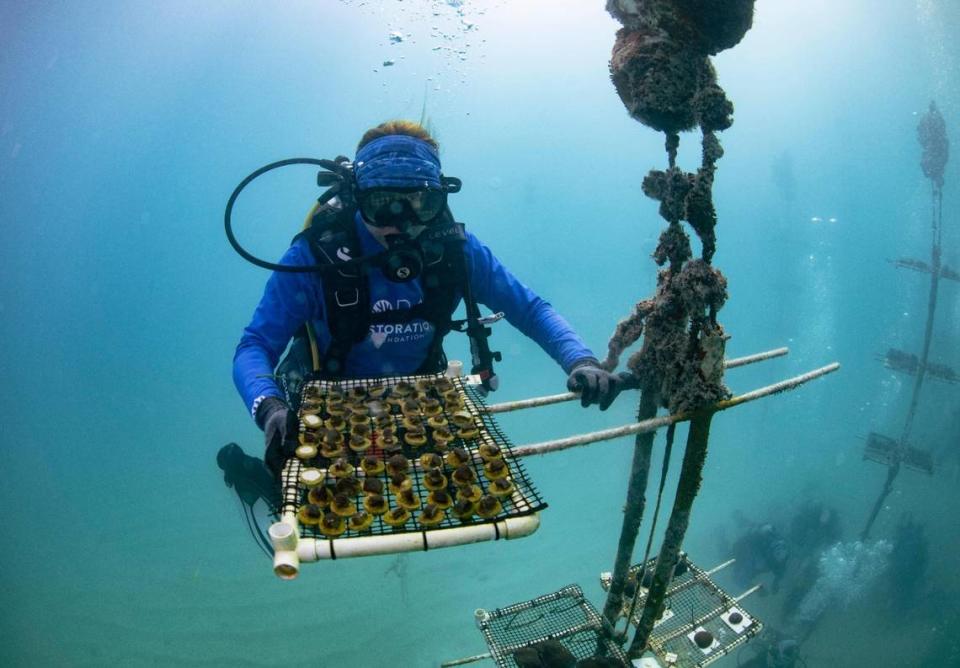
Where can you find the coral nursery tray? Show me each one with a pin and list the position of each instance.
(558, 629)
(399, 464)
(700, 623)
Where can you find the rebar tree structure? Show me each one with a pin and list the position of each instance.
(897, 452)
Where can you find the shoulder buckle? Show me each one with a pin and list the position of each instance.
(347, 300)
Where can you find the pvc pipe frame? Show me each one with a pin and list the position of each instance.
(646, 426)
(314, 549)
(290, 550)
(285, 535)
(548, 400)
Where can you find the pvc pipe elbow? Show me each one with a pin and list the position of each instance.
(286, 565)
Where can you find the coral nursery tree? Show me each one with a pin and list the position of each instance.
(662, 72)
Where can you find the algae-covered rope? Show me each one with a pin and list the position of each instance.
(667, 452)
(691, 475)
(634, 507)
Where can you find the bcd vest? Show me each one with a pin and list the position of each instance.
(346, 293)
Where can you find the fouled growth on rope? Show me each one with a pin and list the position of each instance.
(628, 332)
(932, 133)
(682, 352)
(662, 72)
(661, 69)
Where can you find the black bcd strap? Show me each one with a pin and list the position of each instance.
(333, 239)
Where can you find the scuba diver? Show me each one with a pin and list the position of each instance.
(760, 549)
(370, 286)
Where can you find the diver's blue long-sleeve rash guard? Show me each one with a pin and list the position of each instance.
(291, 299)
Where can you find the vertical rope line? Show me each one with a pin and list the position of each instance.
(633, 509)
(671, 430)
(931, 312)
(878, 504)
(691, 474)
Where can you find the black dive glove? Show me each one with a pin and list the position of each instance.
(279, 430)
(595, 385)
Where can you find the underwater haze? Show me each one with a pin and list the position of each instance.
(124, 127)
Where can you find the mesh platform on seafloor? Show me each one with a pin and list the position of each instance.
(564, 617)
(694, 602)
(521, 500)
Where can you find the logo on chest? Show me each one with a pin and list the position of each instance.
(399, 332)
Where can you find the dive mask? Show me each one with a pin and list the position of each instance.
(392, 207)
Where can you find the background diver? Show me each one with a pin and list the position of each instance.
(392, 267)
(760, 549)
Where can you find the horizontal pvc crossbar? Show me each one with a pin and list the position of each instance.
(316, 549)
(653, 424)
(548, 400)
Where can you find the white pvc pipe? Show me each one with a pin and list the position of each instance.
(756, 357)
(315, 549)
(465, 660)
(286, 565)
(548, 400)
(720, 567)
(283, 534)
(653, 424)
(557, 444)
(285, 538)
(752, 589)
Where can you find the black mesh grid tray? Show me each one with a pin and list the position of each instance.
(693, 602)
(525, 500)
(564, 616)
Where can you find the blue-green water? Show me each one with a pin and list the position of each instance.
(125, 125)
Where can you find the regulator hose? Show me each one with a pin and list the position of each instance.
(329, 165)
